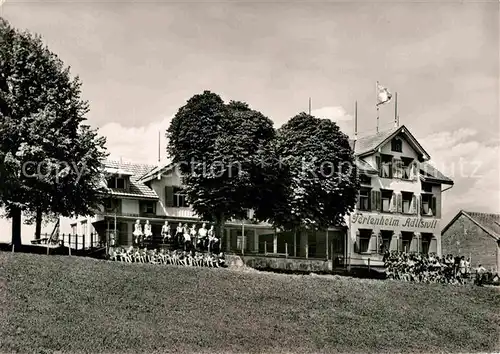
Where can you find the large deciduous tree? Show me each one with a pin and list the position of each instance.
(50, 159)
(321, 183)
(220, 149)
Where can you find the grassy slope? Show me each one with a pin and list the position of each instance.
(75, 304)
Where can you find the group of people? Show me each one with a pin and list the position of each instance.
(184, 237)
(164, 256)
(428, 268)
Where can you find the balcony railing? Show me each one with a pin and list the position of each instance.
(181, 212)
(171, 212)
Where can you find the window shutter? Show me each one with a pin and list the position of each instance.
(169, 196)
(357, 202)
(379, 204)
(356, 244)
(414, 171)
(434, 204)
(400, 203)
(393, 203)
(374, 200)
(419, 205)
(433, 245)
(379, 165)
(413, 209)
(414, 243)
(400, 244)
(372, 243)
(394, 168)
(393, 245)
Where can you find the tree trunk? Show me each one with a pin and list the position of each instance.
(38, 225)
(220, 221)
(16, 226)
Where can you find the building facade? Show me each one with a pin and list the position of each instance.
(155, 194)
(398, 209)
(474, 235)
(399, 204)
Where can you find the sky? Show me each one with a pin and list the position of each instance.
(141, 61)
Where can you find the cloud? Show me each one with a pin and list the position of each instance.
(335, 113)
(136, 144)
(338, 115)
(473, 165)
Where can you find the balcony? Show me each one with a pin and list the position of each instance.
(184, 212)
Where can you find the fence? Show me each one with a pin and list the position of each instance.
(74, 241)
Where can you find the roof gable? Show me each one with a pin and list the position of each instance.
(489, 223)
(158, 170)
(369, 144)
(137, 188)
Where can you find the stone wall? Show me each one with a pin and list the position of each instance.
(281, 264)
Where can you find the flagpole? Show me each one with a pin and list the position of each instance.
(309, 105)
(356, 120)
(376, 100)
(396, 120)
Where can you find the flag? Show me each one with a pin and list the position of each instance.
(383, 94)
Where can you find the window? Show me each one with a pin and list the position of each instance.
(364, 240)
(365, 180)
(407, 201)
(426, 242)
(398, 169)
(397, 145)
(386, 166)
(120, 183)
(364, 199)
(148, 207)
(386, 236)
(386, 196)
(179, 198)
(116, 182)
(112, 205)
(426, 187)
(406, 168)
(406, 238)
(427, 205)
(73, 229)
(84, 227)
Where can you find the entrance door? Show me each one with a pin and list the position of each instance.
(337, 247)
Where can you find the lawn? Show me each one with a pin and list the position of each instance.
(72, 304)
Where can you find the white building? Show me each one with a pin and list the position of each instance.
(399, 204)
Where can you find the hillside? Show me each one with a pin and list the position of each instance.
(70, 304)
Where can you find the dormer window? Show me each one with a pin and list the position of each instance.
(397, 145)
(116, 182)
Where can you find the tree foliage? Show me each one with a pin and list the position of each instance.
(220, 149)
(320, 180)
(50, 159)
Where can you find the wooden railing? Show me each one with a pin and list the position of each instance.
(73, 241)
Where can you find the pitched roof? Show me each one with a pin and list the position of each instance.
(153, 173)
(429, 173)
(489, 223)
(365, 167)
(137, 188)
(370, 143)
